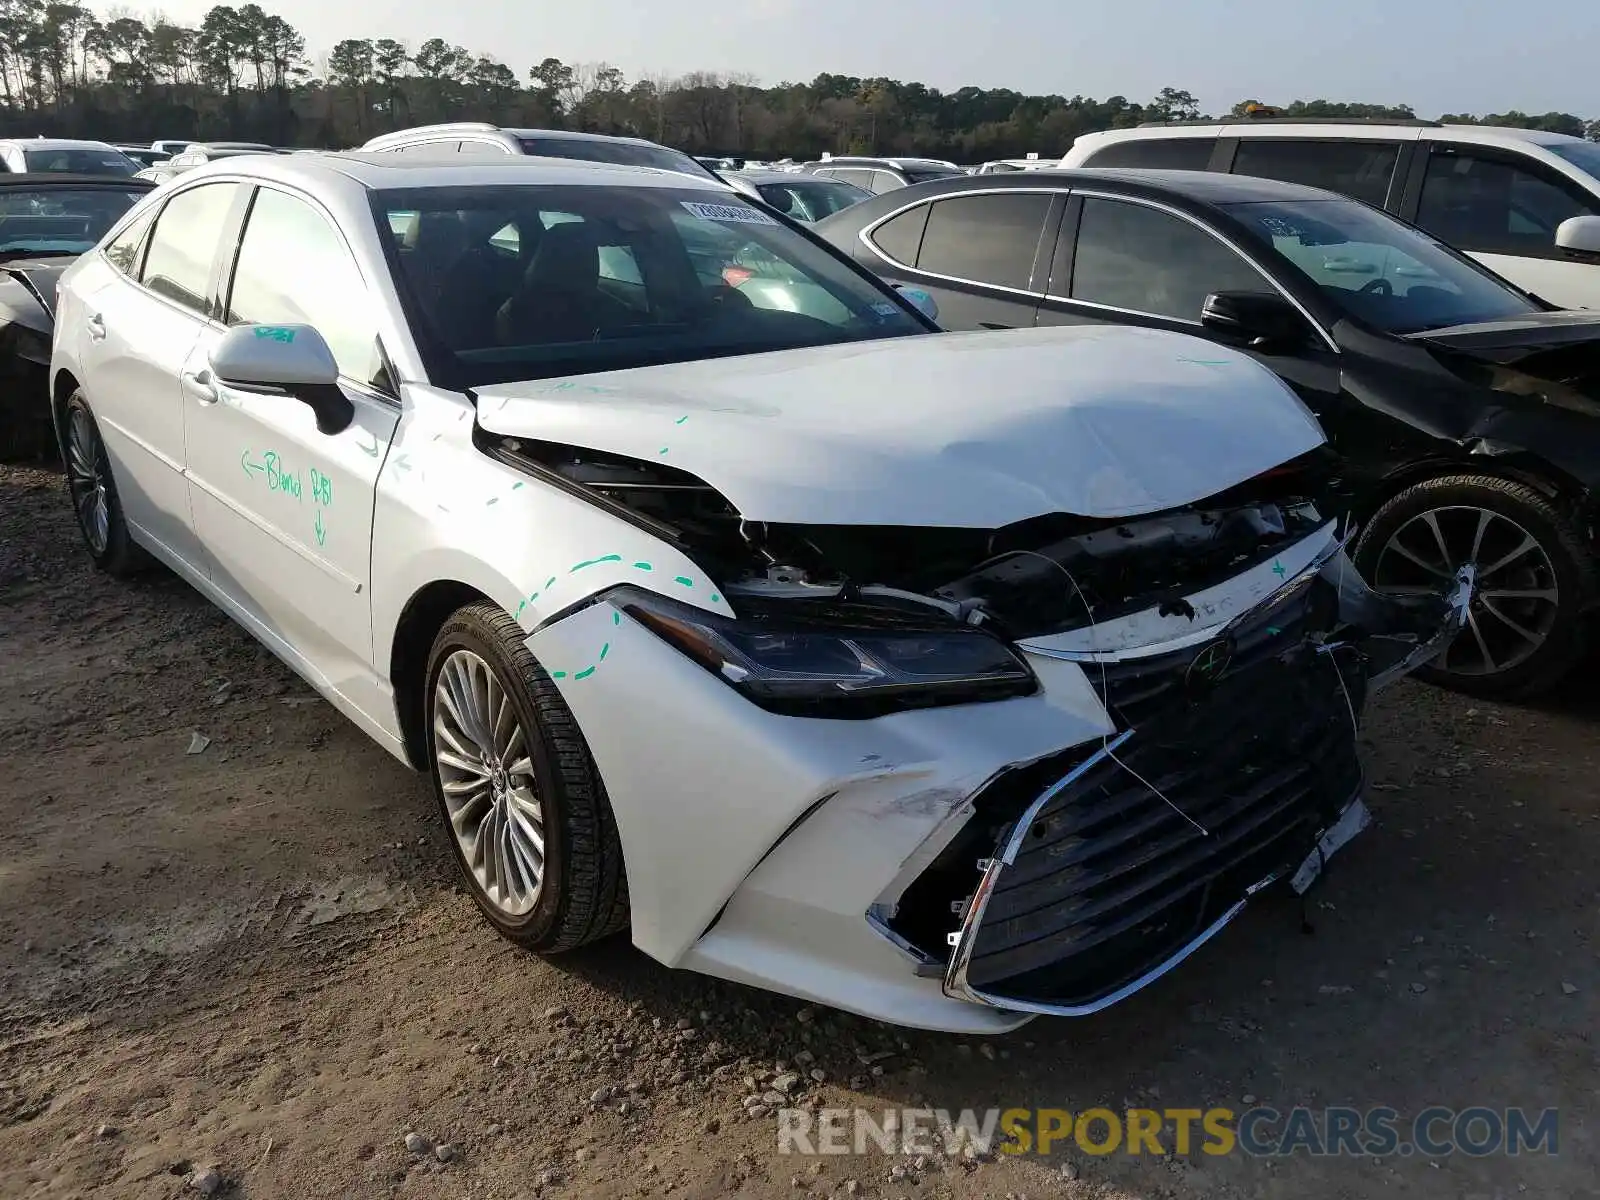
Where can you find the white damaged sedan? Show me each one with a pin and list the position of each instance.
(944, 678)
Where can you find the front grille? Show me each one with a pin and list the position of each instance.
(1110, 880)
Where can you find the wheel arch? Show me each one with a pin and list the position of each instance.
(62, 385)
(1511, 463)
(420, 621)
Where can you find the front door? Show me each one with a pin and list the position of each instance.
(1504, 210)
(286, 510)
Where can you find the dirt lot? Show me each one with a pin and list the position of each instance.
(255, 956)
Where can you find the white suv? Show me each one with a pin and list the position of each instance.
(481, 138)
(1523, 202)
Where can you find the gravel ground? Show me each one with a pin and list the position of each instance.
(237, 964)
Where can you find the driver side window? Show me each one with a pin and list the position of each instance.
(1492, 205)
(1143, 260)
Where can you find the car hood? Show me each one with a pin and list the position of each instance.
(1518, 339)
(964, 430)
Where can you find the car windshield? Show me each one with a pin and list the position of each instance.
(1388, 274)
(79, 160)
(1580, 154)
(808, 198)
(524, 282)
(629, 154)
(59, 220)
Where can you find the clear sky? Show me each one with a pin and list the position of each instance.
(1437, 55)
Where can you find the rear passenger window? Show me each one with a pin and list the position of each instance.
(900, 238)
(1157, 154)
(986, 239)
(184, 246)
(125, 250)
(885, 181)
(1489, 204)
(1360, 169)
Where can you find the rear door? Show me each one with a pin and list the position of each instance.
(285, 509)
(142, 317)
(981, 255)
(1503, 208)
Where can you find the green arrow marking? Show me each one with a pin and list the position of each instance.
(322, 534)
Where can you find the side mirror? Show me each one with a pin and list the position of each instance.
(1579, 235)
(1255, 318)
(284, 360)
(920, 300)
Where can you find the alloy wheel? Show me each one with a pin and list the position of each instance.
(86, 479)
(486, 774)
(1516, 599)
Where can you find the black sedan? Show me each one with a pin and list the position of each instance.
(46, 221)
(1466, 412)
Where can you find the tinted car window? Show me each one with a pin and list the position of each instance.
(59, 220)
(80, 161)
(807, 198)
(923, 174)
(598, 278)
(293, 269)
(987, 239)
(900, 238)
(859, 176)
(1135, 257)
(178, 263)
(886, 181)
(1361, 169)
(124, 250)
(1379, 269)
(1491, 204)
(1164, 154)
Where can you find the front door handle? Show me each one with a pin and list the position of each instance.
(96, 325)
(199, 385)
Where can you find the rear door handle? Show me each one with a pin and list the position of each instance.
(198, 384)
(97, 327)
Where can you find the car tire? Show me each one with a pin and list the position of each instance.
(92, 489)
(1536, 578)
(481, 681)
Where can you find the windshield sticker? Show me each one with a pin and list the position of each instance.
(737, 213)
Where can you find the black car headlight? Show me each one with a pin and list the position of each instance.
(804, 667)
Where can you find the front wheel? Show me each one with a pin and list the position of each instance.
(533, 832)
(1535, 578)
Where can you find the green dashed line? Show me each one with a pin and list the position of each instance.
(685, 580)
(616, 619)
(594, 562)
(493, 500)
(643, 566)
(681, 420)
(516, 485)
(716, 599)
(549, 583)
(663, 450)
(604, 650)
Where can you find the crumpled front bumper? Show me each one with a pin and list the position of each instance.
(1235, 766)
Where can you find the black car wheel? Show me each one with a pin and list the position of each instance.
(1534, 578)
(532, 829)
(94, 495)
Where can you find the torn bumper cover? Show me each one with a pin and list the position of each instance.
(1235, 766)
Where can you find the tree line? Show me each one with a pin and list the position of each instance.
(245, 74)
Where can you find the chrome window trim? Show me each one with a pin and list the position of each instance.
(866, 231)
(1214, 233)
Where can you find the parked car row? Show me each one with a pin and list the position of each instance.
(1464, 408)
(949, 678)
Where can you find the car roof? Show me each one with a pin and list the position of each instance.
(1392, 131)
(1208, 187)
(43, 143)
(378, 171)
(34, 180)
(578, 135)
(764, 176)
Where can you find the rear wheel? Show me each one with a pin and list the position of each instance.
(93, 490)
(1534, 578)
(532, 829)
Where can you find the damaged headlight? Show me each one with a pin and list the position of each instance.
(802, 668)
